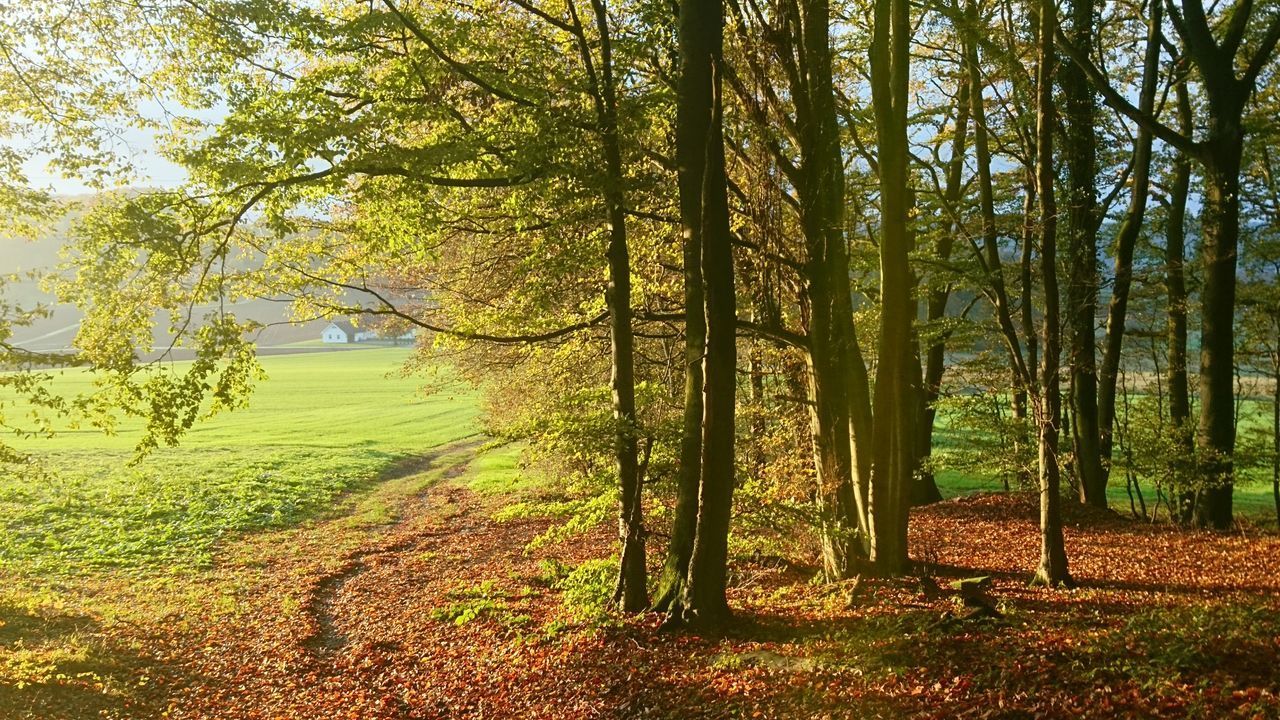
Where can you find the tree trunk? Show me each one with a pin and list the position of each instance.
(1127, 238)
(691, 139)
(1026, 388)
(1275, 420)
(1216, 434)
(1022, 366)
(1176, 288)
(1226, 95)
(1221, 155)
(1052, 570)
(989, 256)
(675, 569)
(1030, 201)
(861, 426)
(631, 592)
(1082, 255)
(894, 402)
(700, 136)
(821, 195)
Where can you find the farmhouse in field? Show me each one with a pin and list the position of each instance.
(340, 332)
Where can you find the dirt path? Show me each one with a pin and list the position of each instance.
(437, 617)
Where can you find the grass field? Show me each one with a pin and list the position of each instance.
(1252, 498)
(322, 424)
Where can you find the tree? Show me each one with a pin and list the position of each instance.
(1052, 570)
(897, 385)
(632, 593)
(1127, 236)
(809, 160)
(701, 162)
(1080, 152)
(1228, 68)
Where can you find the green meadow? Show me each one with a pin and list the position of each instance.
(321, 425)
(1252, 499)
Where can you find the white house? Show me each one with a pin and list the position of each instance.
(340, 332)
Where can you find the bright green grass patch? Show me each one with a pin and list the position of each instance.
(321, 425)
(1252, 500)
(1252, 497)
(171, 510)
(341, 399)
(497, 471)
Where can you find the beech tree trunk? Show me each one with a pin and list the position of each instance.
(1082, 252)
(1221, 154)
(1216, 435)
(1030, 202)
(1176, 289)
(692, 124)
(1126, 240)
(894, 402)
(821, 195)
(700, 141)
(1052, 570)
(1026, 388)
(989, 256)
(1275, 419)
(1214, 48)
(631, 592)
(861, 426)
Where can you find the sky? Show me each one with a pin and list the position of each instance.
(156, 171)
(138, 144)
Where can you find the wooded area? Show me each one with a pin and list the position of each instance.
(726, 267)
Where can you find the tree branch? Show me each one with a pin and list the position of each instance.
(456, 66)
(1263, 53)
(1120, 104)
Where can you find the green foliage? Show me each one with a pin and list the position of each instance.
(978, 434)
(472, 603)
(571, 436)
(1152, 449)
(28, 406)
(587, 590)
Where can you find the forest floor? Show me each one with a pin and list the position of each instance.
(424, 603)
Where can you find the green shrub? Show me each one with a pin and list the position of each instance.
(587, 590)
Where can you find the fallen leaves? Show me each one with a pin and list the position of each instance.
(446, 616)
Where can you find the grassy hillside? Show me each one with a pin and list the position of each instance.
(322, 424)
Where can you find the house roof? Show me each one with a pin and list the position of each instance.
(344, 326)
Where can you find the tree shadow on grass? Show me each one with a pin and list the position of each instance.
(59, 664)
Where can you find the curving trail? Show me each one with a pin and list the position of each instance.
(374, 634)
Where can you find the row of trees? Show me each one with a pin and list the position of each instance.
(705, 210)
